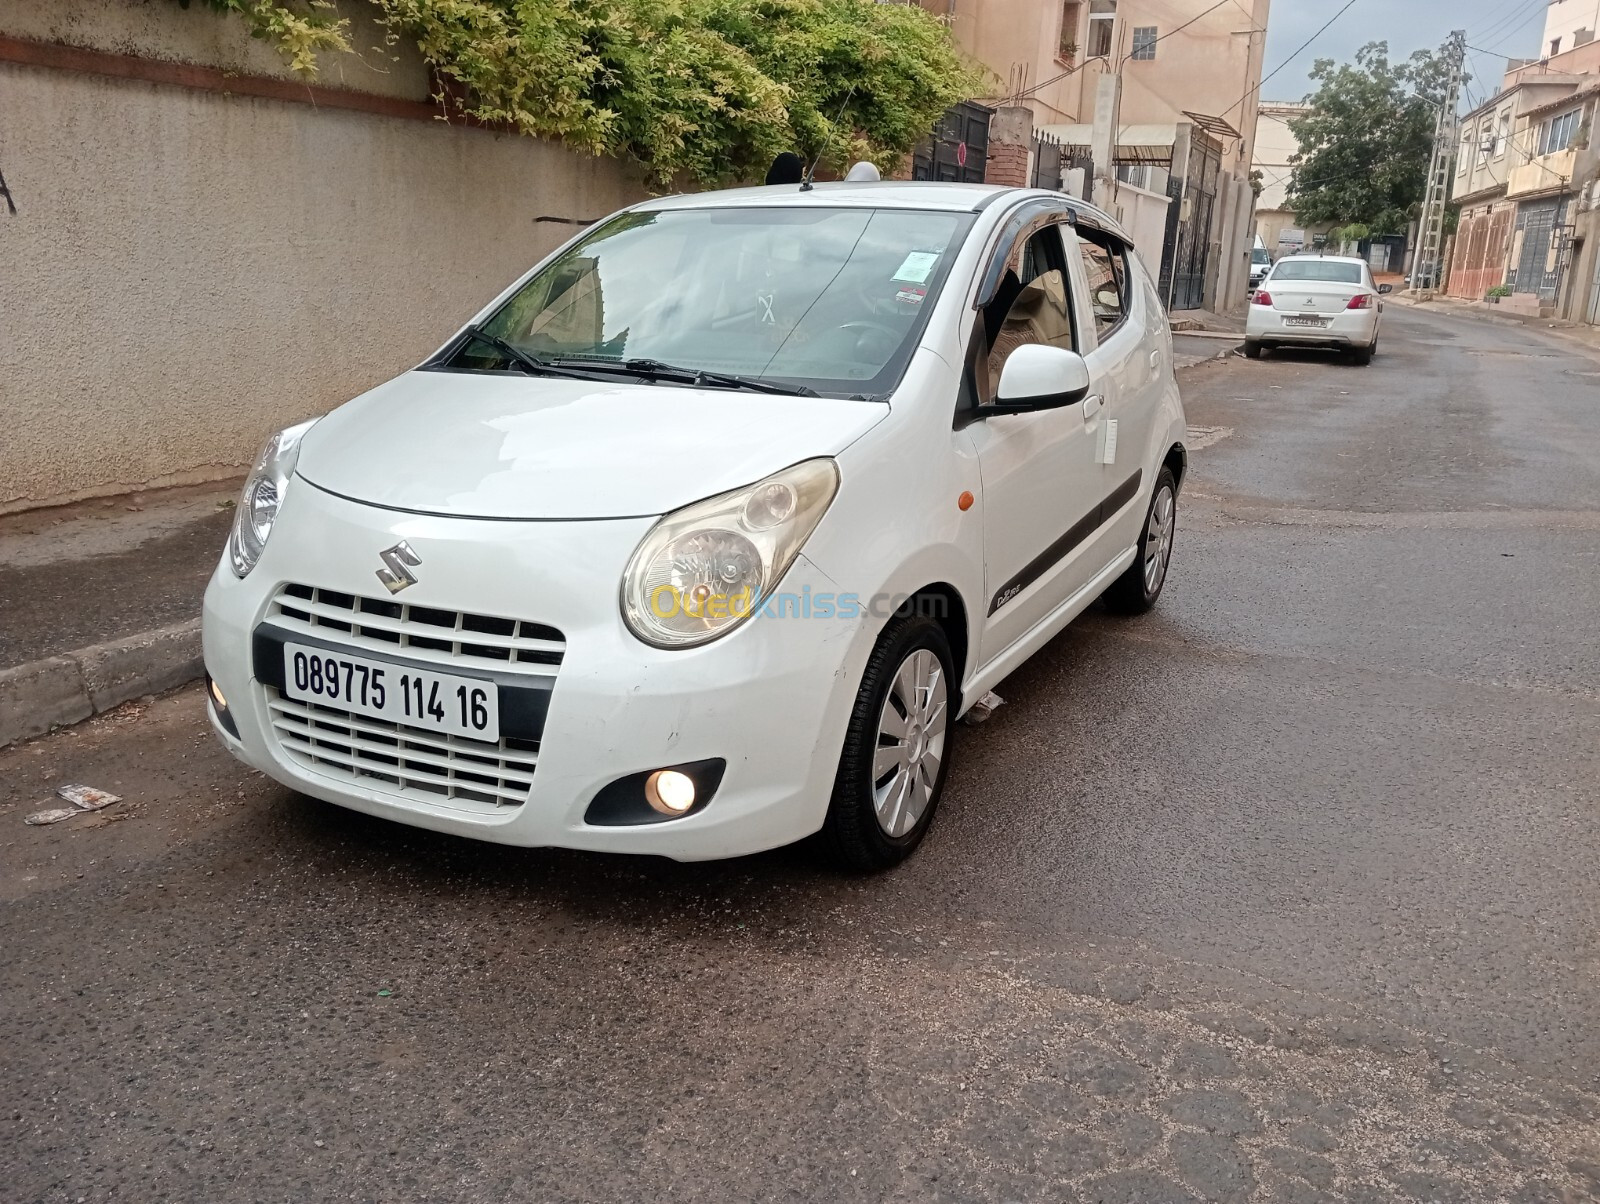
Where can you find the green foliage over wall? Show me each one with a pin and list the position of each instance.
(701, 91)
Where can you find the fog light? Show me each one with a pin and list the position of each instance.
(219, 706)
(669, 792)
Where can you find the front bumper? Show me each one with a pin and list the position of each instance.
(1346, 328)
(771, 699)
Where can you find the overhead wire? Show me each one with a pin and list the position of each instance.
(1261, 83)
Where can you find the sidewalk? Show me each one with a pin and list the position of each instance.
(1483, 311)
(101, 602)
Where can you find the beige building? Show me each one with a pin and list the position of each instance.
(205, 249)
(1569, 24)
(1276, 146)
(1190, 73)
(1528, 178)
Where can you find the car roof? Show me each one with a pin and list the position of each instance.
(879, 194)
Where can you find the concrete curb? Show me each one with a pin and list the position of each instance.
(1190, 365)
(69, 688)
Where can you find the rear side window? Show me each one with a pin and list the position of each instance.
(1105, 266)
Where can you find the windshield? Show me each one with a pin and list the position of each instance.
(1318, 269)
(806, 297)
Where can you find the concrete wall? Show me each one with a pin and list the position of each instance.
(1144, 216)
(188, 271)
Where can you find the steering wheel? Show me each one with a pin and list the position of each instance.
(867, 332)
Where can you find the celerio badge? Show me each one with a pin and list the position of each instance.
(398, 562)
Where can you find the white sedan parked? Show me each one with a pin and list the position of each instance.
(698, 539)
(1318, 301)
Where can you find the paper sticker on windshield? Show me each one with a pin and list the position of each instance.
(917, 267)
(911, 296)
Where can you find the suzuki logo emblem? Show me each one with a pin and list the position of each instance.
(398, 563)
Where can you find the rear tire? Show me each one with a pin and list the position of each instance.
(1252, 349)
(896, 749)
(1137, 590)
(1363, 355)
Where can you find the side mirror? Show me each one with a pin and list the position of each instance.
(1040, 377)
(1386, 289)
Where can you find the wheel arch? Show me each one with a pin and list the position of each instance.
(1177, 459)
(942, 602)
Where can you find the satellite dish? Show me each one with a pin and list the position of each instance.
(863, 173)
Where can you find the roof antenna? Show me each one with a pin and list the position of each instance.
(805, 184)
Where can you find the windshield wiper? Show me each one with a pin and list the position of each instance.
(698, 377)
(530, 364)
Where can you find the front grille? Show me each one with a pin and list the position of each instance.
(444, 637)
(415, 763)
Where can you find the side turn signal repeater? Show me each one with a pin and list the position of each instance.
(965, 500)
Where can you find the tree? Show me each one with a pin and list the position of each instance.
(699, 91)
(1367, 139)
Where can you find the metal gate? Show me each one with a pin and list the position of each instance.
(959, 148)
(1186, 250)
(1537, 269)
(1049, 157)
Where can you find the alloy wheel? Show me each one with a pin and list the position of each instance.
(913, 726)
(1158, 539)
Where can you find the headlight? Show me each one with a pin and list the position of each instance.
(707, 568)
(263, 494)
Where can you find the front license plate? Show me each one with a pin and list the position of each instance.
(1305, 320)
(440, 702)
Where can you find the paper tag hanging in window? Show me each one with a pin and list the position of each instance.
(916, 269)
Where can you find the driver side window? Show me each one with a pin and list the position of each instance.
(1032, 305)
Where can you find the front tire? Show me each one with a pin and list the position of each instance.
(896, 748)
(1136, 591)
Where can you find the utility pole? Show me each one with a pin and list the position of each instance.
(1426, 268)
(1103, 140)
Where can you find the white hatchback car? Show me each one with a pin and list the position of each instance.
(1317, 301)
(698, 539)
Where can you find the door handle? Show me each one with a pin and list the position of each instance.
(1092, 406)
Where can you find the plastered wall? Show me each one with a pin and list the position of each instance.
(188, 270)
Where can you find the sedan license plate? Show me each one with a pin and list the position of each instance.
(440, 702)
(1305, 320)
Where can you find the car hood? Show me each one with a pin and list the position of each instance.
(491, 446)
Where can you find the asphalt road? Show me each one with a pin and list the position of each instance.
(1287, 891)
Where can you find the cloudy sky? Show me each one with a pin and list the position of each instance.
(1508, 27)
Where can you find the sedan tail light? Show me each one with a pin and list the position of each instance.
(1261, 297)
(1360, 301)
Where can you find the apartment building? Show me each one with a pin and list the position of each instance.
(1190, 75)
(1526, 178)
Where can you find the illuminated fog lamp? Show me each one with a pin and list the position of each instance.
(669, 792)
(219, 705)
